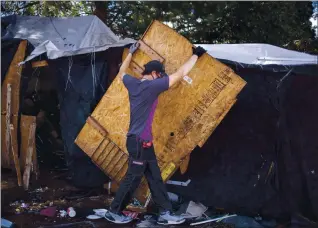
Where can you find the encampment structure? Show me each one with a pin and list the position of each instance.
(261, 159)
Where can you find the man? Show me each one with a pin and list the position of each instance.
(143, 97)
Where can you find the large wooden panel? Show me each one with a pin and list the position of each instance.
(186, 113)
(13, 77)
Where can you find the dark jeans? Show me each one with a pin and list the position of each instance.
(142, 161)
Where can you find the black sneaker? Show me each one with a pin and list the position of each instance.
(166, 218)
(117, 218)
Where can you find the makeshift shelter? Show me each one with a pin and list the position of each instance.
(261, 159)
(63, 89)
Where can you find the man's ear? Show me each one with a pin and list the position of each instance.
(153, 74)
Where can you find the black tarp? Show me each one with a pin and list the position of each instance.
(82, 81)
(78, 93)
(269, 124)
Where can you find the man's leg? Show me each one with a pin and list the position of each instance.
(130, 183)
(158, 190)
(126, 190)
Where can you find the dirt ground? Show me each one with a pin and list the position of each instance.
(52, 189)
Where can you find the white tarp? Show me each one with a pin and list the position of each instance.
(259, 54)
(64, 36)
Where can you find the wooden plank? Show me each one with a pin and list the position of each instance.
(8, 121)
(29, 155)
(112, 153)
(105, 153)
(92, 142)
(100, 149)
(13, 77)
(150, 52)
(41, 63)
(25, 131)
(112, 160)
(196, 102)
(119, 156)
(121, 173)
(15, 156)
(116, 172)
(136, 68)
(91, 121)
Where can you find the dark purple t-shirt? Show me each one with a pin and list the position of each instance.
(143, 98)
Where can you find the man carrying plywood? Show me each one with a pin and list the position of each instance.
(143, 98)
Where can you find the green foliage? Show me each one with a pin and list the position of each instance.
(272, 22)
(305, 45)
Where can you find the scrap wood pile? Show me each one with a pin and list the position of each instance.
(10, 99)
(28, 118)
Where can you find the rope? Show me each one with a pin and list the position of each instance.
(93, 70)
(70, 63)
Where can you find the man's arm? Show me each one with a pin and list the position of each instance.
(125, 64)
(186, 68)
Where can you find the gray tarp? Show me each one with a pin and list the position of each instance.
(59, 37)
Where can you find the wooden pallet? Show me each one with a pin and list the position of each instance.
(185, 117)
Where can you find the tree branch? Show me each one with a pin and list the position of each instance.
(27, 5)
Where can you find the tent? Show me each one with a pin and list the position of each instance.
(262, 158)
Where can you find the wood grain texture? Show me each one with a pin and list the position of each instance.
(29, 157)
(185, 115)
(15, 156)
(209, 128)
(25, 130)
(13, 77)
(184, 164)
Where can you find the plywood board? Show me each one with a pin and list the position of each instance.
(185, 112)
(13, 77)
(209, 128)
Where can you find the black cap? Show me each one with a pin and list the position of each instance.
(154, 65)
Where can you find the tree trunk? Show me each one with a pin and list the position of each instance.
(101, 10)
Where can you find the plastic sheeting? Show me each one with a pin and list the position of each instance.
(262, 158)
(81, 82)
(259, 54)
(58, 37)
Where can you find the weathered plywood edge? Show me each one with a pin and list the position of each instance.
(13, 77)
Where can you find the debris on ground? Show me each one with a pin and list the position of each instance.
(201, 220)
(84, 224)
(148, 220)
(47, 207)
(49, 211)
(6, 223)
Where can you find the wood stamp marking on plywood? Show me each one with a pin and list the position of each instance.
(206, 100)
(224, 75)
